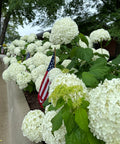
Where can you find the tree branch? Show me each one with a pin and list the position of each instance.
(4, 28)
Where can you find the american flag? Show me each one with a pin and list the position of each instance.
(27, 55)
(43, 91)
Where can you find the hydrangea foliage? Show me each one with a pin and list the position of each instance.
(84, 90)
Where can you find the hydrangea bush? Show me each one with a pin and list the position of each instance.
(84, 91)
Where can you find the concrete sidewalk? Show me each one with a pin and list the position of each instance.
(4, 122)
(13, 108)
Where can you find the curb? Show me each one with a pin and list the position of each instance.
(15, 107)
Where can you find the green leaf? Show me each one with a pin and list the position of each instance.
(82, 53)
(46, 103)
(89, 79)
(81, 118)
(93, 140)
(99, 71)
(68, 117)
(84, 104)
(72, 63)
(100, 61)
(31, 87)
(116, 60)
(49, 53)
(77, 137)
(18, 58)
(56, 121)
(23, 52)
(84, 39)
(63, 57)
(60, 102)
(99, 68)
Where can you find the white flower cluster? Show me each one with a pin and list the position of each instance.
(46, 35)
(38, 82)
(23, 79)
(6, 60)
(12, 71)
(31, 38)
(40, 70)
(100, 35)
(63, 31)
(31, 48)
(84, 45)
(104, 111)
(39, 59)
(54, 73)
(37, 127)
(59, 136)
(69, 80)
(102, 52)
(65, 63)
(31, 125)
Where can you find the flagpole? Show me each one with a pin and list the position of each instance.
(55, 56)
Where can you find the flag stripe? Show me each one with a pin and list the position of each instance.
(44, 87)
(46, 96)
(43, 81)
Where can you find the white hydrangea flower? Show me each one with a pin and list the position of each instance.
(47, 108)
(48, 59)
(89, 42)
(11, 48)
(66, 62)
(48, 137)
(31, 38)
(104, 111)
(82, 44)
(13, 70)
(31, 67)
(55, 47)
(6, 60)
(15, 42)
(23, 79)
(31, 48)
(28, 62)
(63, 31)
(101, 51)
(31, 125)
(69, 80)
(21, 47)
(17, 51)
(25, 37)
(37, 71)
(54, 73)
(38, 82)
(40, 49)
(8, 53)
(46, 35)
(5, 75)
(21, 43)
(39, 59)
(13, 60)
(38, 42)
(46, 45)
(99, 35)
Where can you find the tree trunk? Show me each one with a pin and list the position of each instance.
(0, 15)
(4, 28)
